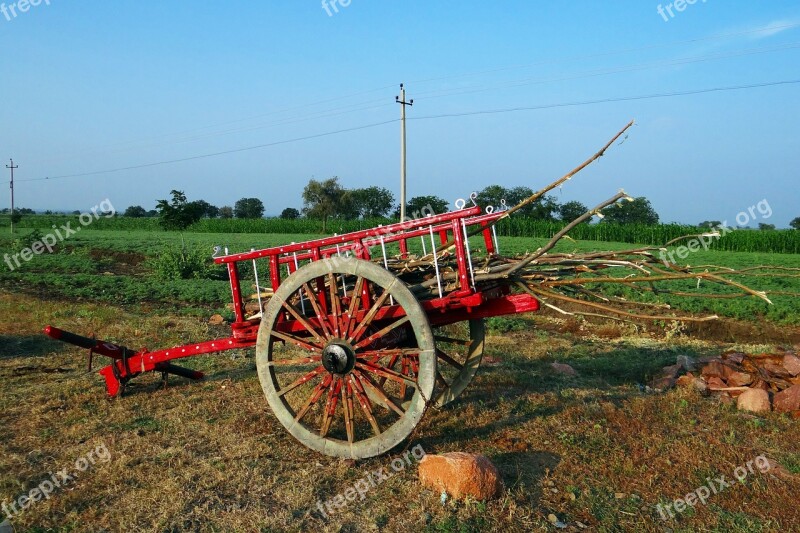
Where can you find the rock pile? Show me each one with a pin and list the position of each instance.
(758, 382)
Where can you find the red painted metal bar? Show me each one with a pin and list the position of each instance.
(274, 272)
(461, 255)
(488, 241)
(236, 291)
(397, 228)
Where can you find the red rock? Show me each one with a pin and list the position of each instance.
(755, 400)
(792, 364)
(461, 474)
(668, 377)
(714, 368)
(777, 370)
(788, 400)
(739, 379)
(689, 380)
(725, 398)
(564, 369)
(715, 383)
(735, 357)
(760, 384)
(216, 320)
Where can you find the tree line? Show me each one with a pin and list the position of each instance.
(327, 200)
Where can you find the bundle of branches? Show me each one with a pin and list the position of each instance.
(592, 282)
(587, 283)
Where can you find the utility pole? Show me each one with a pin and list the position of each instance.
(402, 101)
(12, 167)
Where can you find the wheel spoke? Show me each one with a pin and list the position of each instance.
(386, 373)
(314, 397)
(450, 340)
(330, 405)
(353, 307)
(312, 298)
(303, 379)
(300, 318)
(380, 393)
(300, 361)
(440, 380)
(449, 360)
(363, 401)
(376, 355)
(364, 324)
(296, 341)
(375, 336)
(336, 304)
(347, 407)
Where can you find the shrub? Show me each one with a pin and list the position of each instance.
(175, 263)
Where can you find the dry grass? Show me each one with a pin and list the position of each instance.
(596, 449)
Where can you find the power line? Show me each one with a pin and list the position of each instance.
(433, 117)
(214, 154)
(607, 100)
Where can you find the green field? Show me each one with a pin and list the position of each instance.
(121, 267)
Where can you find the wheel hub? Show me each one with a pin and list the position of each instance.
(338, 357)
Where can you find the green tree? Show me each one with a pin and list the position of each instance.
(177, 214)
(16, 216)
(570, 211)
(372, 202)
(206, 209)
(545, 208)
(493, 195)
(639, 211)
(290, 213)
(135, 211)
(421, 206)
(248, 208)
(323, 200)
(764, 227)
(226, 211)
(709, 224)
(795, 223)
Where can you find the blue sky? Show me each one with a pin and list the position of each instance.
(95, 86)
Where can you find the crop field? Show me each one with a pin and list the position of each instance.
(598, 450)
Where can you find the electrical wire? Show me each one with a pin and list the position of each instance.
(429, 117)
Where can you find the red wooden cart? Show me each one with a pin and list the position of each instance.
(348, 357)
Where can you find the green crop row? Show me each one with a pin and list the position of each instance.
(740, 240)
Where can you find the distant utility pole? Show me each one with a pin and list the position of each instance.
(12, 167)
(402, 101)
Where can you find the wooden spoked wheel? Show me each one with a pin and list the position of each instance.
(459, 350)
(346, 358)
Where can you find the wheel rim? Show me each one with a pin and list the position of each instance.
(459, 350)
(326, 378)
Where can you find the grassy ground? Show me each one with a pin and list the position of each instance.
(598, 448)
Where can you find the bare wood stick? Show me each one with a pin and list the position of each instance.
(535, 196)
(566, 177)
(566, 229)
(608, 309)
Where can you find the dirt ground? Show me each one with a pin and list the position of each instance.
(598, 451)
